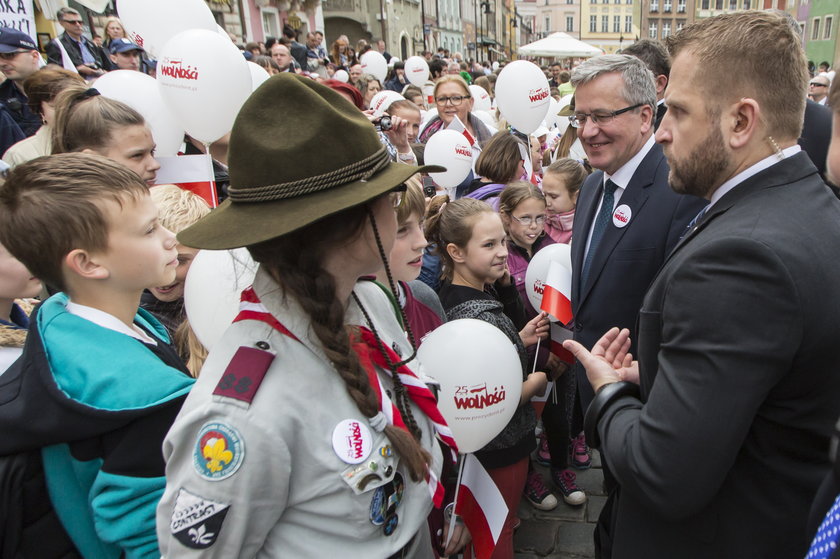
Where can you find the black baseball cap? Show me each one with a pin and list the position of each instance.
(123, 45)
(12, 40)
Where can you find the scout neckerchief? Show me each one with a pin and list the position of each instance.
(370, 353)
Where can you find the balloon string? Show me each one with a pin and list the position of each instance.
(455, 501)
(536, 356)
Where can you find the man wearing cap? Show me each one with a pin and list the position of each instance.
(19, 59)
(125, 55)
(88, 59)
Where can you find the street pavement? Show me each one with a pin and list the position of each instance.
(565, 532)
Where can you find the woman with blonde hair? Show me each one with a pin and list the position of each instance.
(113, 30)
(453, 99)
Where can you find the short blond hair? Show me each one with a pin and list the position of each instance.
(758, 56)
(178, 208)
(453, 78)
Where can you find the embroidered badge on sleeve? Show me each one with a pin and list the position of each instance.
(196, 521)
(219, 451)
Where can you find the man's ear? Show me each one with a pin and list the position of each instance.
(744, 122)
(455, 253)
(85, 265)
(661, 82)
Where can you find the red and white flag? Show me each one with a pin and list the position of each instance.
(190, 172)
(458, 126)
(557, 293)
(559, 334)
(482, 507)
(538, 401)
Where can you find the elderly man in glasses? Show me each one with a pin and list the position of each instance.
(628, 218)
(818, 89)
(19, 59)
(88, 59)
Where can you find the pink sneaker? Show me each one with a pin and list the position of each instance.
(543, 454)
(580, 453)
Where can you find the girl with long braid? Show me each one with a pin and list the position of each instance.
(307, 433)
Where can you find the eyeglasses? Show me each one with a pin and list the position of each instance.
(599, 118)
(11, 55)
(455, 99)
(72, 21)
(527, 220)
(818, 84)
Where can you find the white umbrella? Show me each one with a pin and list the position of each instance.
(559, 45)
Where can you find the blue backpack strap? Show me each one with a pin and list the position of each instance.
(486, 191)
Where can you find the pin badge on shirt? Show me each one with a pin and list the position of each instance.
(352, 441)
(622, 215)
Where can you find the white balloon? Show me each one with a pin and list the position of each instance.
(551, 118)
(537, 271)
(341, 76)
(382, 100)
(417, 70)
(211, 291)
(258, 75)
(449, 149)
(140, 92)
(480, 378)
(481, 98)
(373, 63)
(486, 118)
(151, 23)
(522, 95)
(205, 80)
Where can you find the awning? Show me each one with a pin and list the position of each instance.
(559, 45)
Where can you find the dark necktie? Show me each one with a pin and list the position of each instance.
(695, 221)
(602, 220)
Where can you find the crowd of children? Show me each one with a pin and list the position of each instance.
(111, 360)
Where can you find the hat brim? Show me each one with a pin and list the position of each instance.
(237, 224)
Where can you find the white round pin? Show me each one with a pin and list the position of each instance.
(622, 215)
(352, 441)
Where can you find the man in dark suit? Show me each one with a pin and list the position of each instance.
(616, 250)
(655, 57)
(89, 60)
(721, 446)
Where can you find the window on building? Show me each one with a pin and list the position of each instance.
(593, 24)
(654, 5)
(815, 29)
(829, 20)
(746, 4)
(548, 23)
(628, 2)
(628, 24)
(271, 22)
(666, 28)
(733, 4)
(680, 6)
(718, 4)
(570, 24)
(680, 24)
(666, 6)
(652, 30)
(704, 4)
(605, 24)
(567, 2)
(616, 24)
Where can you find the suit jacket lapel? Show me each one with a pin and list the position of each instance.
(634, 196)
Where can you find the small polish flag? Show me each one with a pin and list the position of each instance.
(559, 334)
(482, 507)
(538, 401)
(556, 299)
(458, 126)
(190, 172)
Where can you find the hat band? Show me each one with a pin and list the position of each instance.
(360, 170)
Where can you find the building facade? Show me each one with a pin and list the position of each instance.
(660, 18)
(609, 24)
(821, 26)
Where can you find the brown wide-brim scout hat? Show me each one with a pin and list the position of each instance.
(299, 152)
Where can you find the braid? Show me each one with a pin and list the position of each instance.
(294, 262)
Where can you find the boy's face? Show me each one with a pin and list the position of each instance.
(175, 291)
(141, 254)
(406, 256)
(15, 280)
(134, 147)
